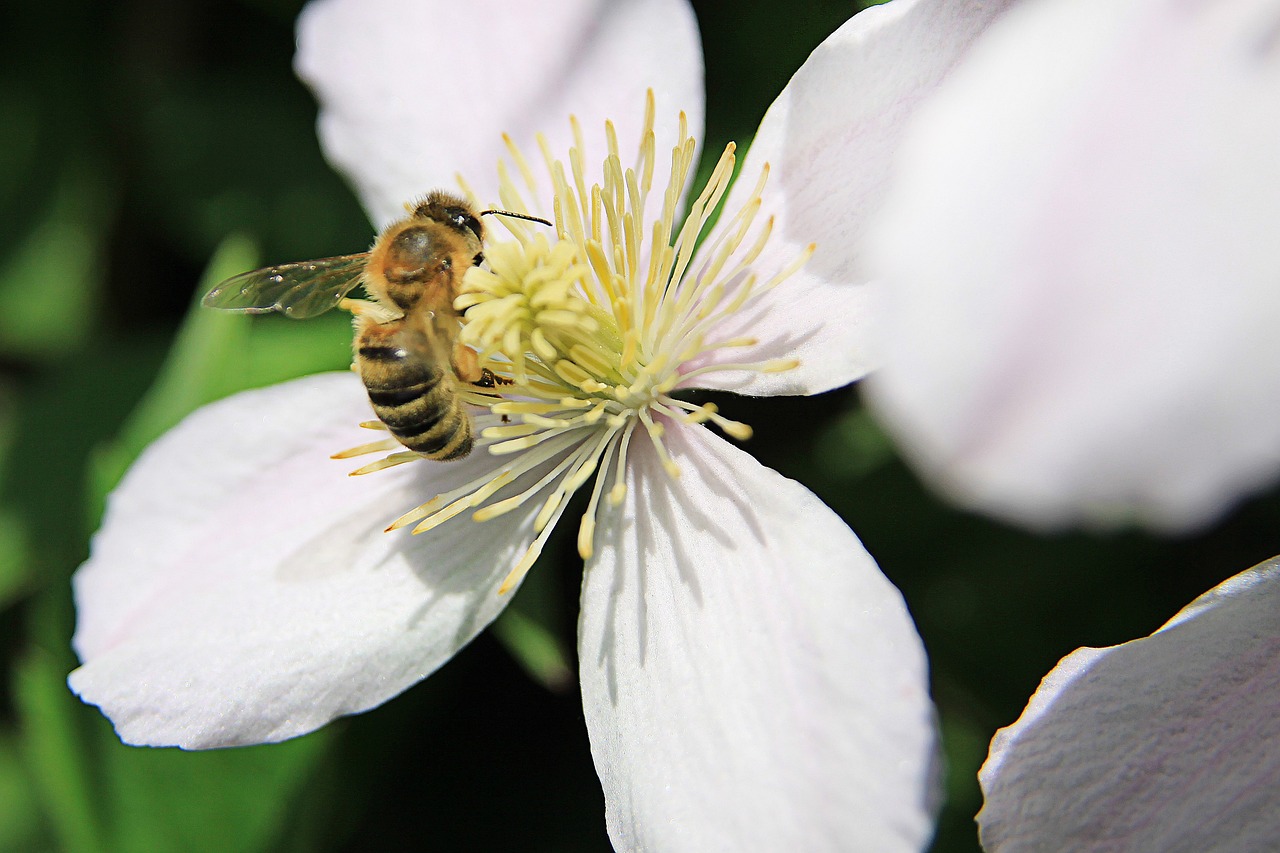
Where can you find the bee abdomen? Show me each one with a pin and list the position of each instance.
(417, 402)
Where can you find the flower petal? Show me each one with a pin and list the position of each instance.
(828, 140)
(1084, 266)
(413, 93)
(751, 680)
(242, 590)
(1165, 743)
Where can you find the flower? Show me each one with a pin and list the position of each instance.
(591, 339)
(1089, 334)
(750, 679)
(1170, 742)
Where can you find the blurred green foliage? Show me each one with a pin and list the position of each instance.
(140, 138)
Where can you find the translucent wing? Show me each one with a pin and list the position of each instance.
(301, 290)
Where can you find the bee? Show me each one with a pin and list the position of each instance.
(406, 347)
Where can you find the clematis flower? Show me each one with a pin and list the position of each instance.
(750, 679)
(1083, 266)
(1170, 742)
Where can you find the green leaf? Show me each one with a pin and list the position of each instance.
(853, 446)
(15, 545)
(55, 755)
(227, 800)
(15, 560)
(20, 828)
(535, 647)
(527, 628)
(281, 349)
(49, 285)
(206, 362)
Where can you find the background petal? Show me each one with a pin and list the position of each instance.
(414, 92)
(751, 680)
(241, 589)
(1166, 743)
(1084, 265)
(829, 139)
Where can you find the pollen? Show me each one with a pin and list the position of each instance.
(591, 329)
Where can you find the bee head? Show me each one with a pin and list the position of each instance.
(453, 212)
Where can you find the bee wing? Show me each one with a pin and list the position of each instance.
(301, 290)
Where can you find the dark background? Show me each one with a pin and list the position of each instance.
(140, 138)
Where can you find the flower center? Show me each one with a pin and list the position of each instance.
(591, 333)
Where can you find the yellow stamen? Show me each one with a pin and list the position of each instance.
(363, 449)
(386, 462)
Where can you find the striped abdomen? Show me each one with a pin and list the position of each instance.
(414, 396)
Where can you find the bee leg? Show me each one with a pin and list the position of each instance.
(466, 364)
(366, 309)
(489, 379)
(358, 307)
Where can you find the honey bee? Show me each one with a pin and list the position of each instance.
(406, 346)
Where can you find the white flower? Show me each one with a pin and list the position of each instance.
(1171, 742)
(750, 679)
(1084, 268)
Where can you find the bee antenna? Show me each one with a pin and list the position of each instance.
(515, 215)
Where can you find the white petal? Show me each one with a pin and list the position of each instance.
(1083, 252)
(751, 680)
(413, 92)
(1166, 743)
(829, 139)
(242, 590)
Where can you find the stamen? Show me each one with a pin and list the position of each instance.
(587, 527)
(511, 471)
(577, 377)
(463, 504)
(507, 504)
(462, 184)
(363, 449)
(510, 431)
(522, 165)
(531, 555)
(655, 434)
(708, 412)
(644, 157)
(516, 445)
(778, 365)
(793, 267)
(386, 462)
(583, 465)
(619, 490)
(700, 211)
(732, 343)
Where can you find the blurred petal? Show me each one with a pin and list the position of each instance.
(1084, 265)
(828, 140)
(242, 590)
(751, 680)
(1166, 743)
(413, 92)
